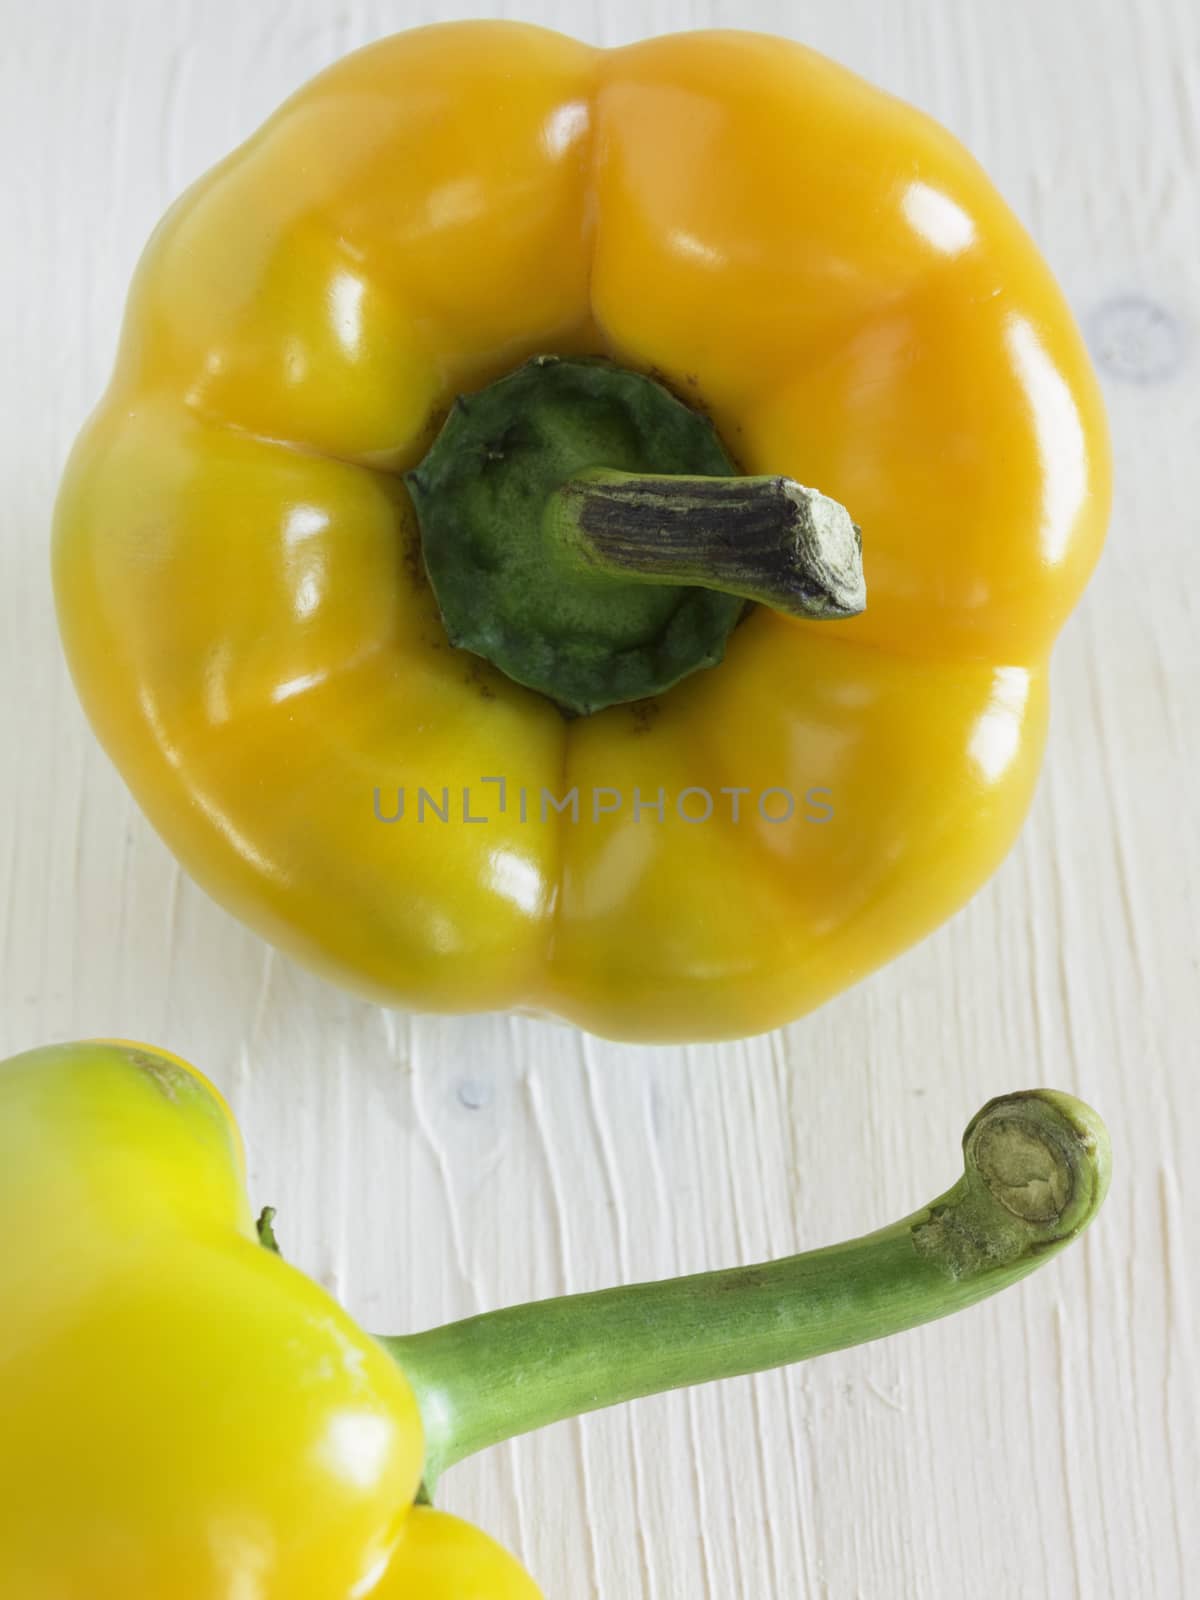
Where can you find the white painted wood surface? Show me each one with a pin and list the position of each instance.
(1046, 1444)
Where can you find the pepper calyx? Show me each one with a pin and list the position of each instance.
(588, 533)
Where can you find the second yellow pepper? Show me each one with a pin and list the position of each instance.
(185, 1416)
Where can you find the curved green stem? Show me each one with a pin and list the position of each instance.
(1036, 1168)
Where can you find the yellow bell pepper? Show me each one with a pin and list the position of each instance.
(820, 271)
(186, 1417)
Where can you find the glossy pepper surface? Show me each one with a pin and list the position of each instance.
(187, 1417)
(240, 584)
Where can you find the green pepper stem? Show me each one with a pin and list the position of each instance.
(767, 539)
(588, 534)
(1036, 1168)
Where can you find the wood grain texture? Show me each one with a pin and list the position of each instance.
(1047, 1443)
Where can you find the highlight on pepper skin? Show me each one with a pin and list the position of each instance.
(251, 568)
(186, 1414)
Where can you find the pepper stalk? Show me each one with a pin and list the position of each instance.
(590, 535)
(1036, 1169)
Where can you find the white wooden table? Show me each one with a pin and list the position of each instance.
(1045, 1444)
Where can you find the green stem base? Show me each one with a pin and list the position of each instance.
(587, 533)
